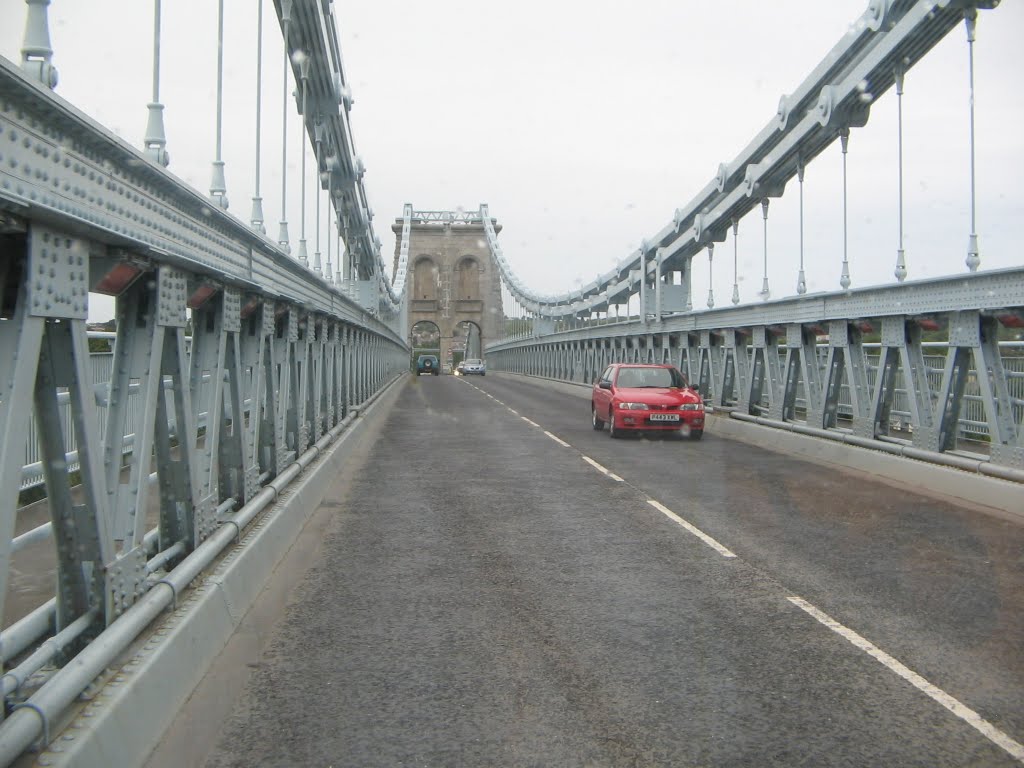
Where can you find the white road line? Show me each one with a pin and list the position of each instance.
(965, 713)
(531, 423)
(513, 410)
(692, 529)
(599, 468)
(558, 440)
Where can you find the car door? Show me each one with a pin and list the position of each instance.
(603, 397)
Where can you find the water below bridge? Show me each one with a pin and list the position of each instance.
(492, 585)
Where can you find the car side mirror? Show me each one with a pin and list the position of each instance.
(605, 385)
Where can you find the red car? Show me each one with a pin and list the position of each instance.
(654, 398)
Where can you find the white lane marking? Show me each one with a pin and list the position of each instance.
(558, 440)
(599, 468)
(531, 423)
(691, 528)
(513, 410)
(965, 713)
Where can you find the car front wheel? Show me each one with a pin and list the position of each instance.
(594, 420)
(696, 434)
(613, 433)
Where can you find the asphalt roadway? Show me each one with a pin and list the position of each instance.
(483, 595)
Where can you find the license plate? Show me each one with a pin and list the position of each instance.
(664, 417)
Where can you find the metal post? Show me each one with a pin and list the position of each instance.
(711, 276)
(329, 272)
(218, 187)
(36, 52)
(901, 261)
(801, 280)
(319, 129)
(735, 262)
(155, 140)
(765, 292)
(304, 74)
(256, 219)
(970, 20)
(844, 280)
(282, 236)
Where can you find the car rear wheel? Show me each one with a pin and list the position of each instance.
(594, 420)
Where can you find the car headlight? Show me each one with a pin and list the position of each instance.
(633, 406)
(691, 407)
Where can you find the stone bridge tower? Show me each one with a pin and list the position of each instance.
(451, 277)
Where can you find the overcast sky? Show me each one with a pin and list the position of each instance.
(582, 124)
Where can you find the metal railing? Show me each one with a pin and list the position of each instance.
(803, 364)
(972, 425)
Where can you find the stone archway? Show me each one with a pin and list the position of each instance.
(425, 339)
(453, 277)
(467, 341)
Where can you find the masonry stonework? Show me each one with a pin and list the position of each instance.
(451, 279)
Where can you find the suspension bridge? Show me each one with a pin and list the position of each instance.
(238, 532)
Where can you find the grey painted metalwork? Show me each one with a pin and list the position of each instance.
(233, 365)
(889, 37)
(804, 361)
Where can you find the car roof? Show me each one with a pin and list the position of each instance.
(642, 365)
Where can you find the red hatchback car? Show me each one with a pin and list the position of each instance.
(654, 398)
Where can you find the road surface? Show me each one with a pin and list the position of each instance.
(501, 585)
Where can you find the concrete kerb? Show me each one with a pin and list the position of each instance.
(127, 717)
(958, 486)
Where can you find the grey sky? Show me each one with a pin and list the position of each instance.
(583, 125)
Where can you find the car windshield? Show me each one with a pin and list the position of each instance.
(639, 378)
(474, 362)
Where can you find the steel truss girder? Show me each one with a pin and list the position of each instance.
(221, 386)
(846, 362)
(226, 384)
(81, 177)
(763, 383)
(972, 338)
(216, 387)
(44, 352)
(256, 345)
(983, 291)
(902, 351)
(766, 374)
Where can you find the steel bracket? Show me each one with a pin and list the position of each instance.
(58, 274)
(205, 516)
(172, 297)
(126, 580)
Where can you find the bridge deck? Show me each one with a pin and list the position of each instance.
(505, 603)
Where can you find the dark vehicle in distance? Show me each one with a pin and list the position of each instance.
(428, 364)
